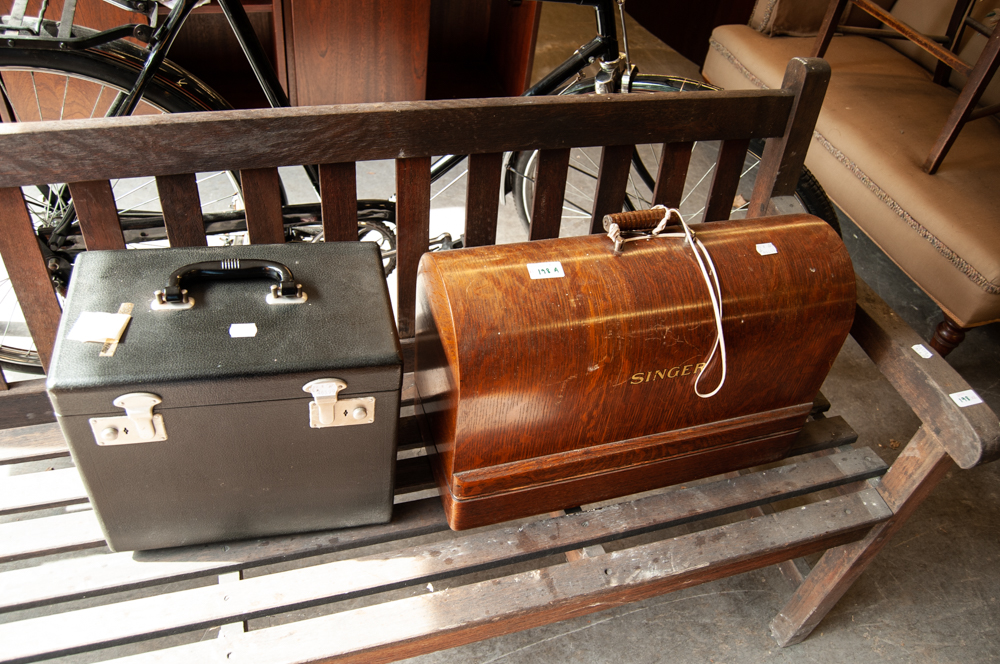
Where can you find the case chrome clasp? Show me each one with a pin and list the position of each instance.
(138, 425)
(326, 410)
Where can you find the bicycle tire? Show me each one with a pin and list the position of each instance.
(809, 192)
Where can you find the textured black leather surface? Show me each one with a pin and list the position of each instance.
(345, 325)
(240, 459)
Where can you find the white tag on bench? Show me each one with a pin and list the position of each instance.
(966, 398)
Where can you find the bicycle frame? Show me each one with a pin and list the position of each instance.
(603, 47)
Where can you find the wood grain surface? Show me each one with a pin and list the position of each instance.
(135, 620)
(483, 199)
(29, 277)
(672, 172)
(262, 197)
(550, 186)
(98, 214)
(582, 377)
(106, 149)
(338, 187)
(182, 210)
(612, 179)
(413, 219)
(425, 623)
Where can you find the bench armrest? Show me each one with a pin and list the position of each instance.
(971, 434)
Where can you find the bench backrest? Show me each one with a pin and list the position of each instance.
(87, 154)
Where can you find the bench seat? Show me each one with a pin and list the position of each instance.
(880, 117)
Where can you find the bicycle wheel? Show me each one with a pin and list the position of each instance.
(56, 85)
(581, 181)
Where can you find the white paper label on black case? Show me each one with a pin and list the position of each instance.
(238, 330)
(552, 270)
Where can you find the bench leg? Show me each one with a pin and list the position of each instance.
(920, 466)
(947, 336)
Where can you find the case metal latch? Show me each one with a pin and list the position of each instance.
(326, 410)
(138, 425)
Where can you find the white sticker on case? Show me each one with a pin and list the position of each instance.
(553, 270)
(966, 398)
(922, 351)
(766, 249)
(238, 330)
(98, 327)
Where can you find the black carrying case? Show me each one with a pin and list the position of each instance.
(247, 452)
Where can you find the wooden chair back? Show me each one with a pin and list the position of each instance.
(979, 75)
(87, 154)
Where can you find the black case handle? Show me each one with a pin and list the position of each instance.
(175, 296)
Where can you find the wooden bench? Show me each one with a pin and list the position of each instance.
(182, 591)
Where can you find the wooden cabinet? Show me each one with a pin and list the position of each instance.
(348, 51)
(341, 52)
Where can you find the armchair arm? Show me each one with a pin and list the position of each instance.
(970, 434)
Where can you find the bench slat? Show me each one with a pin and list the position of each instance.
(674, 161)
(482, 202)
(181, 206)
(612, 179)
(104, 574)
(35, 491)
(98, 214)
(262, 197)
(32, 443)
(53, 534)
(413, 220)
(25, 266)
(119, 147)
(449, 618)
(726, 179)
(64, 580)
(338, 187)
(134, 620)
(550, 187)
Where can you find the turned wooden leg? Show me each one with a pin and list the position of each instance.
(947, 336)
(917, 470)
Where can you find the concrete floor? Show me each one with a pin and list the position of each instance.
(932, 595)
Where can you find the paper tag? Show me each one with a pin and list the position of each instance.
(766, 249)
(966, 398)
(98, 327)
(922, 351)
(553, 270)
(237, 330)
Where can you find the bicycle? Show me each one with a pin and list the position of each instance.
(142, 80)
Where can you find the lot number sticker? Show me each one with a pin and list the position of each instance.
(553, 270)
(966, 398)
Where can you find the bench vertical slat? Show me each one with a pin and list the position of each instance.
(670, 177)
(98, 214)
(550, 188)
(784, 156)
(25, 266)
(413, 219)
(338, 193)
(262, 197)
(612, 179)
(182, 210)
(726, 179)
(482, 201)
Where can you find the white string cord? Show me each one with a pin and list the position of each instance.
(709, 274)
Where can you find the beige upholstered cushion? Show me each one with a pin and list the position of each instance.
(802, 18)
(880, 117)
(931, 17)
